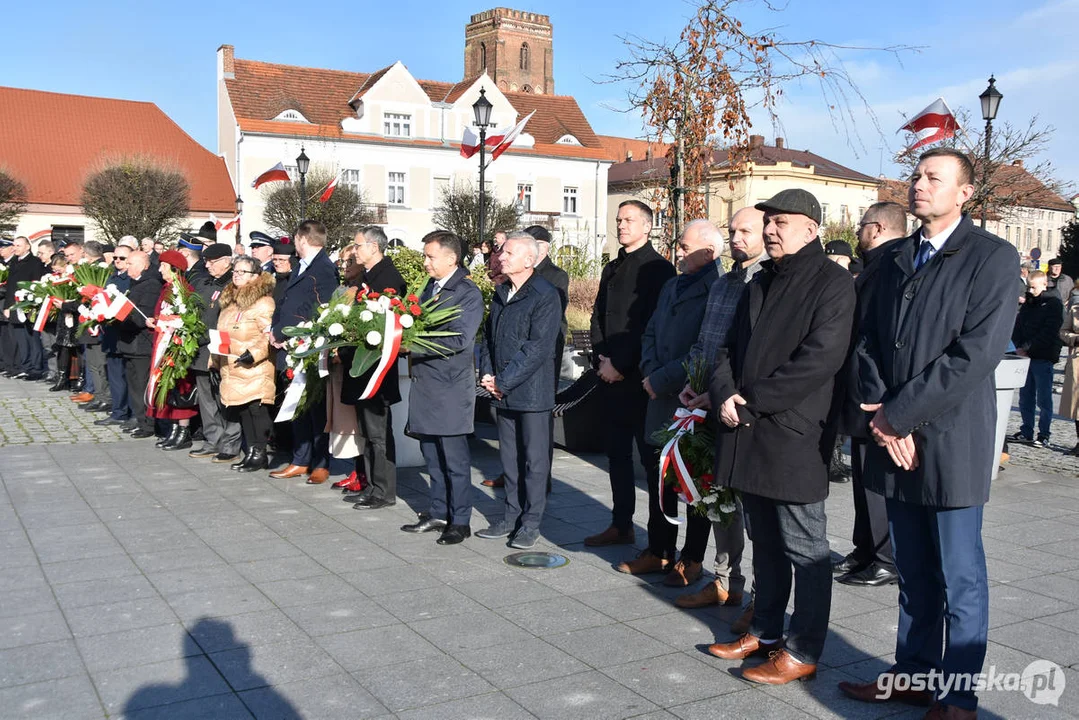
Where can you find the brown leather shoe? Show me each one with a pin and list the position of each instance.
(683, 574)
(498, 482)
(644, 563)
(711, 594)
(741, 625)
(610, 536)
(290, 471)
(83, 397)
(871, 692)
(940, 711)
(318, 476)
(780, 669)
(744, 647)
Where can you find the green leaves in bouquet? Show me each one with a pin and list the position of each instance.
(698, 374)
(363, 361)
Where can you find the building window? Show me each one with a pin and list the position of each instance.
(844, 215)
(67, 233)
(293, 172)
(659, 219)
(1008, 233)
(861, 213)
(525, 60)
(569, 200)
(395, 189)
(1039, 237)
(824, 212)
(483, 56)
(397, 125)
(1049, 239)
(524, 197)
(351, 180)
(1030, 237)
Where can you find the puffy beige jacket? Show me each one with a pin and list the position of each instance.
(246, 314)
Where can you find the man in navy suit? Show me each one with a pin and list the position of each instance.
(442, 397)
(937, 327)
(310, 284)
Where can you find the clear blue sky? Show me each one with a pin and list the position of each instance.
(164, 53)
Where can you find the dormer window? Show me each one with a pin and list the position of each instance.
(397, 125)
(291, 116)
(568, 140)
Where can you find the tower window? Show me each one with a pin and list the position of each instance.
(525, 60)
(483, 56)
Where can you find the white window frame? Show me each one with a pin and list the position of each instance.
(659, 219)
(400, 185)
(526, 201)
(569, 192)
(353, 179)
(396, 124)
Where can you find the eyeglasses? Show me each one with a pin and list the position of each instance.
(245, 272)
(120, 258)
(867, 224)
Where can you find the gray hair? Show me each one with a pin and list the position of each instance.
(129, 241)
(708, 231)
(528, 240)
(94, 249)
(375, 234)
(250, 263)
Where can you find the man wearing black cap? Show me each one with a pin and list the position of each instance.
(261, 248)
(773, 388)
(839, 252)
(1059, 283)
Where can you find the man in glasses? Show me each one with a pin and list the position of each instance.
(115, 366)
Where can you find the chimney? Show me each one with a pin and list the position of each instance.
(228, 64)
(779, 143)
(1017, 163)
(756, 141)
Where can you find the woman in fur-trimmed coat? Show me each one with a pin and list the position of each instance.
(247, 370)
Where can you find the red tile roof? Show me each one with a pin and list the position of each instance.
(1015, 186)
(260, 91)
(51, 142)
(619, 148)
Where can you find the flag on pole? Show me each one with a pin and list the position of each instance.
(276, 173)
(219, 342)
(231, 223)
(498, 141)
(215, 221)
(508, 138)
(937, 122)
(329, 188)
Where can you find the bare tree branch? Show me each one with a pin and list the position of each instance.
(12, 199)
(136, 196)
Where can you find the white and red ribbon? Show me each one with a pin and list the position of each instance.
(391, 345)
(292, 396)
(166, 326)
(44, 310)
(671, 456)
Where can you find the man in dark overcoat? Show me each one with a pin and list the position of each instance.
(522, 328)
(442, 397)
(23, 267)
(373, 416)
(939, 325)
(135, 340)
(629, 289)
(312, 282)
(773, 386)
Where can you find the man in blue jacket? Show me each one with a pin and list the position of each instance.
(522, 330)
(938, 326)
(1037, 336)
(442, 397)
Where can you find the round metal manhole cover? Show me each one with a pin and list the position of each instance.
(537, 560)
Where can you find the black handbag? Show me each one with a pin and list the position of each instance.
(183, 401)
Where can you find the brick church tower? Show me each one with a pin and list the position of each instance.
(515, 47)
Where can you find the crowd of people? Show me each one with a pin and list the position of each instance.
(802, 344)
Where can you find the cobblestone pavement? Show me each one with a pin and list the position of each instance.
(31, 414)
(1062, 438)
(137, 583)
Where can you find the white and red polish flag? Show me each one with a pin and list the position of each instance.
(328, 192)
(215, 221)
(498, 141)
(230, 224)
(120, 307)
(937, 122)
(219, 342)
(277, 172)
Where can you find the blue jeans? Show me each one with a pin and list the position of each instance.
(1038, 388)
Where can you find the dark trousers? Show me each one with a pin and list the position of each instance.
(221, 433)
(310, 442)
(625, 426)
(48, 352)
(379, 453)
(7, 348)
(28, 354)
(95, 368)
(253, 418)
(871, 540)
(730, 544)
(1038, 391)
(138, 375)
(785, 535)
(116, 376)
(524, 447)
(449, 463)
(943, 592)
(662, 534)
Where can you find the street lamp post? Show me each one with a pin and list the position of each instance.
(302, 164)
(482, 111)
(990, 103)
(239, 218)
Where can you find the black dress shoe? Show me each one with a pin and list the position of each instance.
(373, 503)
(874, 575)
(97, 406)
(109, 421)
(357, 497)
(139, 433)
(33, 377)
(426, 524)
(847, 565)
(21, 376)
(454, 534)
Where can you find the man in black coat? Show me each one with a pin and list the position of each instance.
(870, 562)
(524, 322)
(221, 436)
(7, 338)
(939, 324)
(773, 386)
(629, 288)
(1037, 336)
(558, 277)
(312, 282)
(23, 267)
(373, 414)
(135, 340)
(114, 360)
(442, 397)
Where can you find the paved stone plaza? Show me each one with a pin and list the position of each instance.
(142, 584)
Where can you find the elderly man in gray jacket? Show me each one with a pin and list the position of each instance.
(668, 338)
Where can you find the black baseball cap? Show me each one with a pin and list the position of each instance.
(838, 247)
(795, 201)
